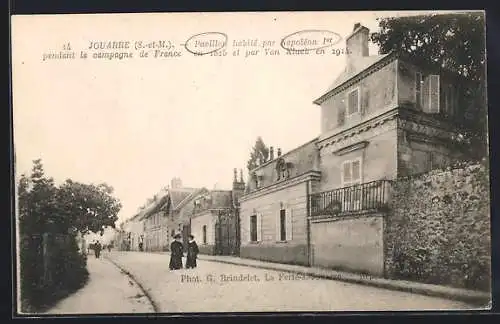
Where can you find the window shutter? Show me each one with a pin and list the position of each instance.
(425, 95)
(289, 228)
(249, 231)
(434, 93)
(346, 172)
(418, 90)
(341, 114)
(259, 227)
(278, 226)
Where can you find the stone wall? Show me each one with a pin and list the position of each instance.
(438, 229)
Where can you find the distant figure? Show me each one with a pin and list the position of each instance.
(176, 253)
(140, 246)
(109, 247)
(192, 253)
(97, 249)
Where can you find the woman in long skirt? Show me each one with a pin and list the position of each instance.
(192, 253)
(176, 253)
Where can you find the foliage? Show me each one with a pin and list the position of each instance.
(49, 219)
(439, 228)
(455, 42)
(259, 154)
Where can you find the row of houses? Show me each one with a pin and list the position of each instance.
(325, 202)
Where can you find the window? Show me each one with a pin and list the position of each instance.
(253, 228)
(353, 102)
(351, 172)
(204, 234)
(449, 99)
(430, 94)
(282, 225)
(418, 89)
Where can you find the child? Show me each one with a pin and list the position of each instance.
(192, 253)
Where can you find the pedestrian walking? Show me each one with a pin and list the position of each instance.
(176, 253)
(109, 247)
(97, 249)
(192, 253)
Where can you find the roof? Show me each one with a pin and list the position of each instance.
(221, 198)
(355, 67)
(180, 196)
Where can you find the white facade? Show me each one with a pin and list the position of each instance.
(203, 227)
(136, 230)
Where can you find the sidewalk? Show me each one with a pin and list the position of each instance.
(482, 299)
(107, 291)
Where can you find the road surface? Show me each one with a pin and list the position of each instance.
(219, 287)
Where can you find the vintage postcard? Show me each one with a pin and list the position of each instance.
(251, 162)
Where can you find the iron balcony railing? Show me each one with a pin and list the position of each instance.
(370, 196)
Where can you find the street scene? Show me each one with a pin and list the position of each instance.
(363, 187)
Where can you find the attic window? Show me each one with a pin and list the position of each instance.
(282, 169)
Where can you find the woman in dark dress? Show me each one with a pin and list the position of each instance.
(176, 253)
(192, 253)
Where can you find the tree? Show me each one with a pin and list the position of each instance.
(454, 42)
(88, 207)
(43, 207)
(259, 154)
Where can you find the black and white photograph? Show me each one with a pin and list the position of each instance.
(229, 162)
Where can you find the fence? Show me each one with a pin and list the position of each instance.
(363, 197)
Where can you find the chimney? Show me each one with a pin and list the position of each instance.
(241, 175)
(235, 178)
(279, 151)
(176, 183)
(357, 42)
(271, 153)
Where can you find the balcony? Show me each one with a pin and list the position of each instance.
(372, 196)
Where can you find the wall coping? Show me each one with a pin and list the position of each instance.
(309, 175)
(357, 215)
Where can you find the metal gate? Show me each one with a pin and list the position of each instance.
(227, 233)
(186, 231)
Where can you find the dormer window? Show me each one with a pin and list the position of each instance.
(353, 102)
(282, 169)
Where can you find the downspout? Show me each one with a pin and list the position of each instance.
(308, 223)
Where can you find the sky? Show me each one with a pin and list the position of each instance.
(137, 123)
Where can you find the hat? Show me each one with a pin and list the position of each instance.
(177, 236)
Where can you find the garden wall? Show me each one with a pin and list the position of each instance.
(438, 228)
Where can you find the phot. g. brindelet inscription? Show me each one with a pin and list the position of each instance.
(245, 277)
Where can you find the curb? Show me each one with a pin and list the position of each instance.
(479, 299)
(131, 276)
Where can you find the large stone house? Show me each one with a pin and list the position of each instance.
(383, 117)
(215, 219)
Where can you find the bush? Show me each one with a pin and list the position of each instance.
(66, 269)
